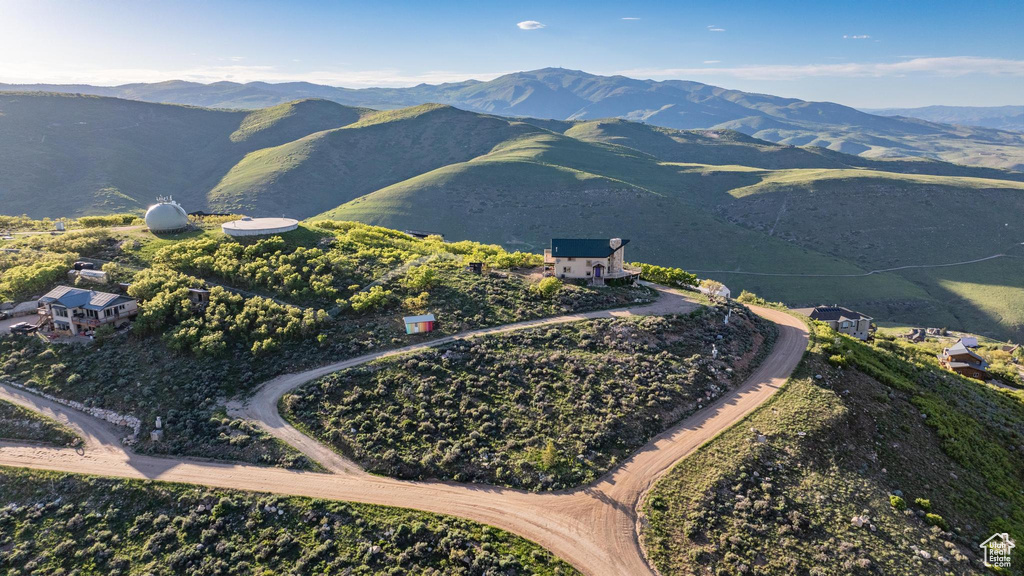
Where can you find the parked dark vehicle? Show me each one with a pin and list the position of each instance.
(23, 328)
(84, 265)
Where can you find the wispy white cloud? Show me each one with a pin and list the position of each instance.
(530, 25)
(712, 61)
(953, 66)
(856, 36)
(630, 18)
(713, 28)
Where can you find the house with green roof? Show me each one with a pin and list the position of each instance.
(596, 260)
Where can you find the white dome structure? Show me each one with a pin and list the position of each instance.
(166, 216)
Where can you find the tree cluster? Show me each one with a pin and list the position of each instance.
(258, 322)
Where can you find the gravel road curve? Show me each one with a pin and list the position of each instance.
(594, 528)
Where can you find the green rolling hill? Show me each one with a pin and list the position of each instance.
(561, 94)
(804, 225)
(82, 155)
(327, 168)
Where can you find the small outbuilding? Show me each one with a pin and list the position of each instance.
(89, 275)
(166, 216)
(419, 324)
(259, 226)
(199, 296)
(715, 290)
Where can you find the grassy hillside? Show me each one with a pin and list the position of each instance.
(802, 225)
(56, 523)
(561, 94)
(931, 460)
(329, 168)
(817, 227)
(71, 155)
(701, 147)
(728, 147)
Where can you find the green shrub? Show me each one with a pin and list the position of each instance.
(417, 303)
(548, 287)
(838, 360)
(34, 276)
(897, 502)
(751, 298)
(107, 220)
(116, 272)
(936, 520)
(667, 276)
(373, 299)
(923, 504)
(420, 278)
(549, 456)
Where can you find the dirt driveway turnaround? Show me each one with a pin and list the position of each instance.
(594, 528)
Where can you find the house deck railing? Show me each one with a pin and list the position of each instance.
(625, 273)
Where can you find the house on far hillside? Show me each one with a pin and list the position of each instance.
(70, 311)
(962, 360)
(595, 259)
(969, 341)
(842, 320)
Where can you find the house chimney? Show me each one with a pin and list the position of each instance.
(615, 243)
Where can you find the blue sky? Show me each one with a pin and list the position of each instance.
(868, 54)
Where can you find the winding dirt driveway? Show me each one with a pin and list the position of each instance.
(594, 528)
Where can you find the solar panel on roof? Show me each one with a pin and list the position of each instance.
(102, 298)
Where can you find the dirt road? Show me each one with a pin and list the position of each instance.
(261, 407)
(594, 528)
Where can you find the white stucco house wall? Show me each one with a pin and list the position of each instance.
(592, 259)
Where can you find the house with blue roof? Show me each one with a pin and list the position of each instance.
(73, 311)
(594, 259)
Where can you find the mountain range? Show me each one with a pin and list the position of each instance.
(560, 94)
(805, 225)
(998, 117)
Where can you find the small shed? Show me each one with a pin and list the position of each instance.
(419, 324)
(476, 267)
(199, 296)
